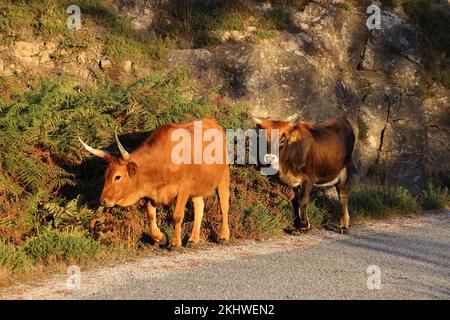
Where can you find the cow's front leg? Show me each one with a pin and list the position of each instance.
(304, 202)
(178, 216)
(155, 233)
(296, 207)
(198, 216)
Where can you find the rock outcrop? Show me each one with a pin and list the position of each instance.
(334, 65)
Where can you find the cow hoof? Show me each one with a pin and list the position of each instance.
(174, 248)
(222, 241)
(344, 230)
(296, 233)
(163, 243)
(192, 244)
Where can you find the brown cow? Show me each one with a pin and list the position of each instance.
(150, 172)
(314, 155)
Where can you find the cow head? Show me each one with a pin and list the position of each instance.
(121, 179)
(288, 131)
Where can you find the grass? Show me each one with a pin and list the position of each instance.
(46, 20)
(53, 245)
(381, 202)
(259, 221)
(12, 258)
(344, 5)
(279, 18)
(366, 202)
(434, 197)
(204, 21)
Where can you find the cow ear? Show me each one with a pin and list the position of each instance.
(294, 136)
(132, 169)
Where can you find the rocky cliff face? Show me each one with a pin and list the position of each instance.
(334, 65)
(328, 64)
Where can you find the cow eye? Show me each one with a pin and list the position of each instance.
(117, 178)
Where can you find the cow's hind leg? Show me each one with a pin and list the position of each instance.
(199, 206)
(155, 233)
(223, 190)
(178, 216)
(343, 189)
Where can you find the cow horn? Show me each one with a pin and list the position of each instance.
(254, 118)
(97, 152)
(123, 152)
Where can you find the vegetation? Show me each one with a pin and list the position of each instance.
(56, 245)
(434, 197)
(363, 130)
(204, 21)
(100, 23)
(344, 5)
(12, 258)
(381, 202)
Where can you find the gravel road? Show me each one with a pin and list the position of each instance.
(412, 253)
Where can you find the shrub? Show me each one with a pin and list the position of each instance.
(53, 245)
(12, 258)
(380, 201)
(344, 5)
(317, 212)
(279, 18)
(444, 176)
(259, 221)
(434, 197)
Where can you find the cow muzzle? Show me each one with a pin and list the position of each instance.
(106, 203)
(271, 158)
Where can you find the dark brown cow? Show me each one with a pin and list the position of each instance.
(150, 172)
(314, 155)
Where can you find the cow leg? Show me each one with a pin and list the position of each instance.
(178, 216)
(199, 205)
(155, 233)
(300, 204)
(223, 191)
(343, 189)
(304, 202)
(296, 206)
